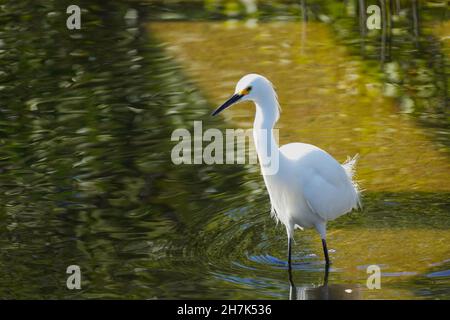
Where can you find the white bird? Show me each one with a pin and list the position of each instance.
(307, 186)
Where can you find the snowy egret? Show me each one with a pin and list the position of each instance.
(309, 186)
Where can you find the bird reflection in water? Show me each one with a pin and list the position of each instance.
(324, 292)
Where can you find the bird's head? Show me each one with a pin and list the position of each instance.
(251, 87)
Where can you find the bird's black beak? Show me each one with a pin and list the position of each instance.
(234, 98)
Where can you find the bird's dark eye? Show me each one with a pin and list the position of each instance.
(245, 91)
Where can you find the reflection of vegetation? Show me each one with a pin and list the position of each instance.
(317, 82)
(437, 277)
(86, 176)
(414, 65)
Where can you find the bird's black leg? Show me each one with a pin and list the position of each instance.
(292, 288)
(289, 254)
(325, 277)
(325, 252)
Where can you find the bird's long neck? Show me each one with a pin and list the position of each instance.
(265, 142)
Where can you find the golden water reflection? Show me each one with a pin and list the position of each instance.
(329, 101)
(325, 96)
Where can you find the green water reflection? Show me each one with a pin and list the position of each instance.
(86, 176)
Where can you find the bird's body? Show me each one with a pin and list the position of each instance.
(307, 186)
(310, 188)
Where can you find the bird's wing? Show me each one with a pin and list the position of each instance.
(325, 199)
(327, 185)
(330, 198)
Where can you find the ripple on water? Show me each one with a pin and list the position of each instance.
(444, 273)
(276, 263)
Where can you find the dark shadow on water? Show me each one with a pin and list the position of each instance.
(433, 283)
(326, 291)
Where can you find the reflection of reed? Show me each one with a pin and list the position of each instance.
(304, 26)
(415, 21)
(304, 10)
(362, 25)
(397, 6)
(383, 32)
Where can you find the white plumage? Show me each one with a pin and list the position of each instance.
(306, 185)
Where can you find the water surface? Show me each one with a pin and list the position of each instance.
(86, 175)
